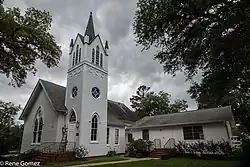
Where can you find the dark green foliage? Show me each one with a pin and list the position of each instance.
(149, 103)
(10, 133)
(23, 40)
(136, 99)
(210, 36)
(139, 148)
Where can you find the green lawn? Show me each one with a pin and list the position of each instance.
(90, 160)
(173, 162)
(176, 162)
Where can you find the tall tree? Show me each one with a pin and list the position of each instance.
(10, 133)
(149, 103)
(23, 40)
(208, 35)
(136, 99)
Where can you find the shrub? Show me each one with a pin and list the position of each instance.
(226, 149)
(222, 148)
(180, 148)
(139, 148)
(81, 152)
(211, 147)
(111, 153)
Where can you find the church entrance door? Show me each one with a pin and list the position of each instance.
(71, 132)
(71, 136)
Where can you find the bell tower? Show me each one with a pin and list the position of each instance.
(86, 91)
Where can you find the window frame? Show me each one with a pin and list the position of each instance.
(73, 59)
(77, 49)
(37, 128)
(193, 132)
(117, 136)
(143, 135)
(40, 129)
(101, 60)
(97, 61)
(80, 54)
(94, 129)
(93, 55)
(72, 115)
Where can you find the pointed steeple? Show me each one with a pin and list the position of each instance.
(90, 28)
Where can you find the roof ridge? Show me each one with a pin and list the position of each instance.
(115, 101)
(197, 110)
(51, 83)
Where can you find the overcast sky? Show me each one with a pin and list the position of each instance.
(128, 66)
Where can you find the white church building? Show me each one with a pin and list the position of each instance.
(81, 115)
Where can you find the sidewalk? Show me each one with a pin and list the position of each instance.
(115, 162)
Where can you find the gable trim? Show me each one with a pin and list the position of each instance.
(100, 42)
(34, 94)
(29, 101)
(77, 36)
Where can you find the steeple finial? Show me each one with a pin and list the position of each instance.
(71, 43)
(90, 28)
(106, 45)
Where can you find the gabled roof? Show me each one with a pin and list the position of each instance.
(189, 117)
(118, 113)
(98, 36)
(89, 43)
(121, 111)
(56, 94)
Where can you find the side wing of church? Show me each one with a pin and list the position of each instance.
(80, 114)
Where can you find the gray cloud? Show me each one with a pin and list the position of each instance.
(128, 67)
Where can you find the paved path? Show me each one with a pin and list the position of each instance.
(114, 162)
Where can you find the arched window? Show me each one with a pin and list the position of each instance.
(73, 63)
(97, 55)
(101, 60)
(38, 128)
(77, 49)
(93, 55)
(94, 124)
(35, 130)
(80, 54)
(72, 117)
